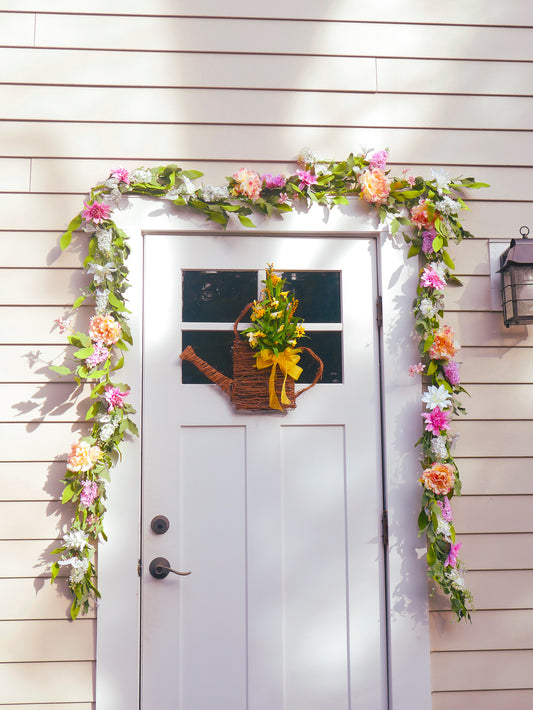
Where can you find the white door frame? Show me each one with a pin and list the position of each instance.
(117, 675)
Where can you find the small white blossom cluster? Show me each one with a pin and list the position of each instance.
(79, 568)
(104, 239)
(439, 447)
(442, 180)
(455, 576)
(447, 206)
(214, 193)
(102, 273)
(101, 299)
(109, 424)
(141, 175)
(307, 156)
(443, 528)
(428, 308)
(76, 540)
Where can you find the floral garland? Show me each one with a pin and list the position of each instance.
(427, 209)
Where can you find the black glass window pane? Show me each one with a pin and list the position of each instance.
(318, 294)
(328, 347)
(216, 296)
(215, 347)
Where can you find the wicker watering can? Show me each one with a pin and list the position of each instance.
(254, 389)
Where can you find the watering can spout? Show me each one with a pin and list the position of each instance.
(225, 383)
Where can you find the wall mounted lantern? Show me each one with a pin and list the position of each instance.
(516, 268)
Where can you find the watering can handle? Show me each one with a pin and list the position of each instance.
(320, 368)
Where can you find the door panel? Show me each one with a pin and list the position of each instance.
(276, 515)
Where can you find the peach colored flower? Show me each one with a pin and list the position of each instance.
(439, 478)
(83, 456)
(104, 329)
(420, 217)
(444, 347)
(375, 187)
(249, 183)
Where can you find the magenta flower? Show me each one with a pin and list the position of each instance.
(306, 178)
(89, 493)
(114, 397)
(451, 372)
(451, 560)
(445, 510)
(379, 160)
(100, 354)
(274, 182)
(121, 174)
(432, 279)
(427, 241)
(436, 421)
(97, 212)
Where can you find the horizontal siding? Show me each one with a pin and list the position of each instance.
(192, 142)
(57, 401)
(495, 589)
(22, 363)
(456, 11)
(494, 438)
(249, 35)
(39, 287)
(36, 520)
(225, 106)
(52, 640)
(31, 481)
(19, 325)
(48, 441)
(478, 671)
(493, 514)
(15, 174)
(499, 630)
(41, 249)
(23, 598)
(483, 699)
(58, 682)
(490, 551)
(28, 559)
(496, 476)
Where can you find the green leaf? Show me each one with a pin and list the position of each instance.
(84, 353)
(67, 493)
(92, 411)
(66, 238)
(395, 225)
(340, 200)
(55, 570)
(431, 556)
(133, 427)
(95, 375)
(191, 174)
(447, 259)
(438, 243)
(432, 367)
(117, 305)
(74, 223)
(119, 365)
(60, 369)
(77, 303)
(74, 609)
(428, 342)
(246, 222)
(413, 251)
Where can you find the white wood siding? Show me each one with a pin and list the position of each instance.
(217, 87)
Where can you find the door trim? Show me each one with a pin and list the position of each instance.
(117, 684)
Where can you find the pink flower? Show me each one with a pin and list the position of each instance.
(379, 160)
(451, 372)
(114, 397)
(272, 182)
(446, 510)
(89, 493)
(451, 560)
(416, 369)
(121, 174)
(411, 180)
(432, 279)
(420, 216)
(427, 241)
(97, 212)
(306, 178)
(436, 420)
(283, 198)
(63, 325)
(100, 354)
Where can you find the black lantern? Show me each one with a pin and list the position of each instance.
(516, 268)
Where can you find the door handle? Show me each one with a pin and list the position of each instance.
(160, 568)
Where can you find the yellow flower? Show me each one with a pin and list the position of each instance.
(300, 330)
(281, 328)
(276, 314)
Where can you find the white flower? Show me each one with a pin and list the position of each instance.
(428, 308)
(76, 540)
(107, 431)
(436, 397)
(213, 193)
(447, 206)
(442, 180)
(79, 568)
(89, 227)
(102, 273)
(438, 447)
(104, 238)
(101, 298)
(307, 156)
(187, 187)
(456, 578)
(141, 175)
(443, 528)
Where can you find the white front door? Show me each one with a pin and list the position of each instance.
(277, 516)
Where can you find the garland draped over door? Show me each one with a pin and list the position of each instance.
(426, 213)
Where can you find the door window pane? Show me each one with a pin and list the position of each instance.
(216, 296)
(215, 347)
(318, 294)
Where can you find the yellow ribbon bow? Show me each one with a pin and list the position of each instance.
(286, 361)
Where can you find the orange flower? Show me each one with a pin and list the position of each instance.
(420, 216)
(444, 347)
(248, 183)
(105, 329)
(439, 478)
(375, 187)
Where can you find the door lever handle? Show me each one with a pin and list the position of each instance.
(160, 568)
